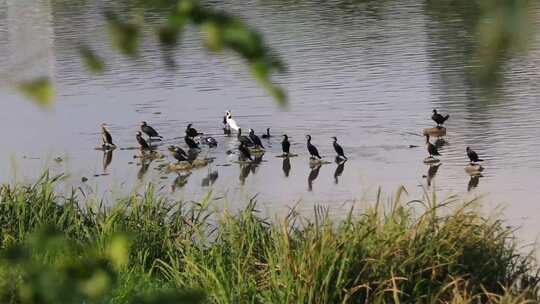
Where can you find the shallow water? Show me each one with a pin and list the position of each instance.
(369, 74)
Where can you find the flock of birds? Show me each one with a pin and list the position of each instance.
(247, 144)
(251, 144)
(433, 150)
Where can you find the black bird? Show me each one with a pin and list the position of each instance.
(106, 137)
(312, 176)
(244, 139)
(267, 135)
(312, 149)
(338, 148)
(178, 153)
(210, 141)
(142, 142)
(432, 150)
(192, 132)
(285, 145)
(191, 143)
(438, 118)
(473, 156)
(286, 166)
(255, 139)
(148, 130)
(339, 171)
(244, 151)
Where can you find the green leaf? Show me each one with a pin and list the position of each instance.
(124, 36)
(118, 251)
(261, 72)
(213, 38)
(40, 90)
(91, 61)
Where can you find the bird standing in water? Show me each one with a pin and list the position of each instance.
(230, 121)
(267, 135)
(148, 130)
(438, 118)
(255, 139)
(192, 132)
(142, 142)
(244, 151)
(339, 149)
(285, 145)
(191, 143)
(244, 139)
(178, 153)
(432, 150)
(473, 156)
(313, 152)
(106, 137)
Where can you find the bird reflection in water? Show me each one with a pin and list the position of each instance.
(313, 176)
(249, 167)
(432, 171)
(210, 179)
(339, 169)
(473, 182)
(180, 181)
(286, 166)
(107, 159)
(256, 162)
(145, 164)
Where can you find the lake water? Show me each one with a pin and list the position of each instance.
(369, 73)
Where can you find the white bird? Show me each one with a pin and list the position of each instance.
(230, 121)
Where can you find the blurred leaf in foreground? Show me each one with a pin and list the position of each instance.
(504, 30)
(91, 60)
(40, 90)
(124, 36)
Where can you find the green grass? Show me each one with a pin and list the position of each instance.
(59, 248)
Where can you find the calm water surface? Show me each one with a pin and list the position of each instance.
(369, 74)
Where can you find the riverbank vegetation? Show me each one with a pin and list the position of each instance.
(64, 248)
